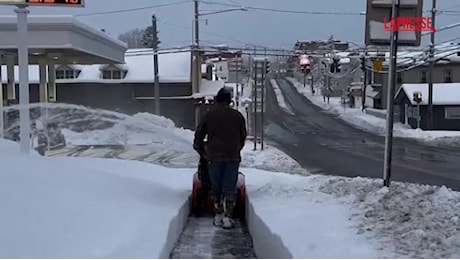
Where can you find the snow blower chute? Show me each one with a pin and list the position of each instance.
(201, 201)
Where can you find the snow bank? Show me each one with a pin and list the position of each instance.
(419, 221)
(270, 159)
(145, 137)
(89, 208)
(289, 218)
(280, 97)
(105, 208)
(317, 216)
(376, 124)
(266, 243)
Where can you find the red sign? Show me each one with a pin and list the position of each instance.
(408, 24)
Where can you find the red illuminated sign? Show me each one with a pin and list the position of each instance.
(57, 3)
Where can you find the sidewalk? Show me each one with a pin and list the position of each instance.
(376, 124)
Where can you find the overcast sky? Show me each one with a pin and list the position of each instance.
(272, 29)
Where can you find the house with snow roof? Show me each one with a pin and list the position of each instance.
(126, 88)
(446, 105)
(413, 68)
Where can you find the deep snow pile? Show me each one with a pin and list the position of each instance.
(314, 215)
(143, 136)
(419, 221)
(375, 124)
(86, 207)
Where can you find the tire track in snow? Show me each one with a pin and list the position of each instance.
(280, 98)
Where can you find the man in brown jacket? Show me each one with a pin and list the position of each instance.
(225, 129)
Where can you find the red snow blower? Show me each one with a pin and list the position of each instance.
(201, 201)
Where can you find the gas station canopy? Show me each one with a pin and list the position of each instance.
(63, 39)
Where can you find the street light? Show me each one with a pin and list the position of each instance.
(224, 11)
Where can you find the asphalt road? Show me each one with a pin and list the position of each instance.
(323, 143)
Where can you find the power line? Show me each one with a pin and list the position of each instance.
(206, 32)
(282, 11)
(134, 9)
(286, 27)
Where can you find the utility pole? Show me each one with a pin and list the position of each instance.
(262, 110)
(430, 72)
(390, 98)
(155, 65)
(305, 79)
(196, 55)
(283, 60)
(312, 83)
(2, 128)
(23, 60)
(254, 103)
(237, 80)
(363, 97)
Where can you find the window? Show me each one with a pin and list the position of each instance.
(67, 73)
(113, 74)
(423, 77)
(452, 112)
(116, 74)
(448, 76)
(60, 74)
(399, 77)
(107, 74)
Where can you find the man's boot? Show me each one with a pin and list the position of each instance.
(229, 206)
(219, 212)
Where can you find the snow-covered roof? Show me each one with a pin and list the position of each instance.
(260, 59)
(216, 60)
(443, 93)
(344, 60)
(209, 88)
(172, 67)
(444, 53)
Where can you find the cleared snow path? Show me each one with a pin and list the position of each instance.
(201, 239)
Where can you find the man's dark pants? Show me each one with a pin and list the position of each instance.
(224, 177)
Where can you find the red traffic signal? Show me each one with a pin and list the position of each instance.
(305, 68)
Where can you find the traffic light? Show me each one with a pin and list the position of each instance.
(267, 67)
(418, 97)
(363, 63)
(332, 67)
(335, 66)
(305, 68)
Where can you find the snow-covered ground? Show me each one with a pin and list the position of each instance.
(104, 208)
(280, 97)
(64, 207)
(86, 207)
(376, 124)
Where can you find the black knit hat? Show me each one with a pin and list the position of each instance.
(223, 96)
